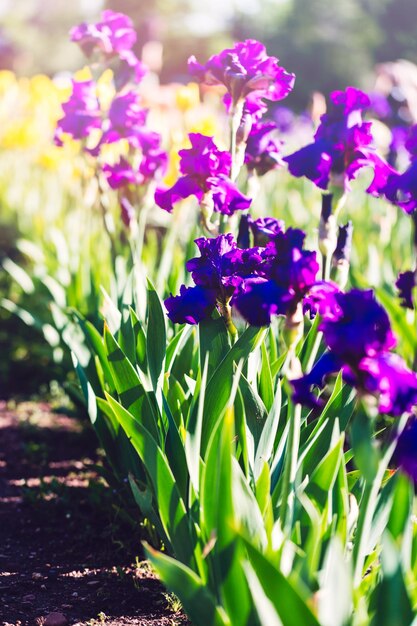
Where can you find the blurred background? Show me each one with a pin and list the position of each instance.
(328, 45)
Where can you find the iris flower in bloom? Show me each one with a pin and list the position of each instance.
(217, 273)
(246, 71)
(81, 112)
(127, 120)
(342, 145)
(401, 189)
(113, 36)
(205, 170)
(286, 275)
(152, 166)
(358, 335)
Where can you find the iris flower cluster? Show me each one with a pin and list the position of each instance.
(342, 145)
(258, 282)
(358, 335)
(110, 41)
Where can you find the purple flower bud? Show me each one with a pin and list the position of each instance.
(263, 149)
(405, 284)
(344, 243)
(265, 229)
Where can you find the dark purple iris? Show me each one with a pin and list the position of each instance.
(82, 113)
(217, 272)
(342, 145)
(362, 327)
(263, 148)
(405, 284)
(205, 170)
(288, 273)
(406, 451)
(246, 71)
(193, 305)
(359, 337)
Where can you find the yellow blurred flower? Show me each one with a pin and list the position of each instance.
(187, 96)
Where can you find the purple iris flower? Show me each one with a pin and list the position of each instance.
(387, 376)
(193, 305)
(342, 144)
(362, 327)
(205, 169)
(359, 337)
(321, 300)
(405, 284)
(120, 174)
(112, 35)
(263, 148)
(153, 166)
(126, 120)
(405, 453)
(288, 273)
(81, 112)
(246, 71)
(217, 272)
(401, 189)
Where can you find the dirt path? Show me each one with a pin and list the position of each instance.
(65, 546)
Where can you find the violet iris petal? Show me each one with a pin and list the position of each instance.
(183, 188)
(81, 112)
(388, 376)
(260, 299)
(361, 328)
(192, 305)
(326, 365)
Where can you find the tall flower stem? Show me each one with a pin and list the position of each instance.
(414, 218)
(290, 467)
(226, 313)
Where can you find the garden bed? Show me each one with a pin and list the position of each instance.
(63, 538)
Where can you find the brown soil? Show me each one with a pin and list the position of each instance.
(66, 545)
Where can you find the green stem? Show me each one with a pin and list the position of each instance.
(226, 313)
(290, 468)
